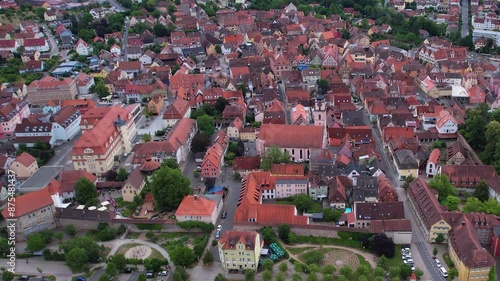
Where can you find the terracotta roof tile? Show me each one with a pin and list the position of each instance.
(30, 202)
(25, 159)
(195, 206)
(230, 238)
(292, 136)
(246, 163)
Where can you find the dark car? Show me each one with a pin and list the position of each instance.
(224, 215)
(81, 278)
(24, 278)
(127, 270)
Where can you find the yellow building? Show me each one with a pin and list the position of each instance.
(240, 250)
(107, 133)
(406, 163)
(471, 260)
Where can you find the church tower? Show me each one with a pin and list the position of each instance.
(320, 111)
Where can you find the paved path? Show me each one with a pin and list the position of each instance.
(116, 244)
(370, 258)
(56, 268)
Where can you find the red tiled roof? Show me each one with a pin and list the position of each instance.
(29, 203)
(246, 163)
(25, 159)
(230, 238)
(465, 243)
(435, 156)
(68, 179)
(287, 169)
(195, 206)
(292, 136)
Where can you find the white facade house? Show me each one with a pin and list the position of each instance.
(116, 50)
(82, 48)
(146, 59)
(84, 83)
(10, 45)
(66, 123)
(433, 162)
(38, 44)
(97, 13)
(446, 124)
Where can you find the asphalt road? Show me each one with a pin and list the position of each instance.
(282, 97)
(125, 39)
(118, 7)
(62, 156)
(465, 18)
(420, 251)
(54, 49)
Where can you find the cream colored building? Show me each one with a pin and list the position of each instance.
(240, 250)
(24, 166)
(108, 134)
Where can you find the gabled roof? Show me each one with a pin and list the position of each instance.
(25, 159)
(246, 163)
(229, 239)
(425, 202)
(30, 202)
(292, 136)
(435, 156)
(195, 206)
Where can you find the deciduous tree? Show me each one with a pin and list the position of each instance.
(182, 256)
(169, 187)
(284, 232)
(273, 155)
(482, 191)
(383, 245)
(205, 124)
(451, 202)
(85, 192)
(442, 184)
(76, 258)
(200, 143)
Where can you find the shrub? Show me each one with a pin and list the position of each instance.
(203, 226)
(312, 257)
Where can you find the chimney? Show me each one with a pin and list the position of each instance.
(196, 198)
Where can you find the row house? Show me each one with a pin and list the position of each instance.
(176, 145)
(134, 92)
(12, 112)
(39, 44)
(10, 45)
(214, 157)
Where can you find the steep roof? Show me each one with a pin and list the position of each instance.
(292, 136)
(435, 156)
(195, 206)
(287, 169)
(25, 159)
(379, 210)
(29, 202)
(246, 163)
(68, 179)
(425, 202)
(471, 253)
(230, 238)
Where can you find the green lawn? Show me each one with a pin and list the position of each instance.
(396, 261)
(296, 251)
(363, 261)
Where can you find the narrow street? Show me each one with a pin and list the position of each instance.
(282, 96)
(421, 250)
(125, 39)
(465, 18)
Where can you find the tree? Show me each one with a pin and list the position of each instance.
(70, 230)
(323, 86)
(284, 232)
(220, 277)
(327, 277)
(236, 176)
(153, 264)
(273, 155)
(313, 257)
(452, 274)
(86, 193)
(280, 276)
(200, 143)
(330, 215)
(182, 256)
(394, 272)
(36, 242)
(120, 261)
(434, 251)
(312, 277)
(111, 269)
(383, 245)
(383, 263)
(218, 49)
(268, 265)
(328, 269)
(419, 273)
(104, 277)
(439, 238)
(267, 275)
(249, 275)
(142, 277)
(146, 137)
(159, 30)
(442, 184)
(208, 258)
(221, 104)
(346, 271)
(302, 201)
(205, 124)
(284, 266)
(171, 163)
(405, 271)
(169, 187)
(59, 236)
(408, 180)
(101, 90)
(451, 202)
(7, 275)
(482, 191)
(90, 247)
(111, 175)
(76, 258)
(122, 174)
(180, 274)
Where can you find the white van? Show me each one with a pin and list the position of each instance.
(443, 271)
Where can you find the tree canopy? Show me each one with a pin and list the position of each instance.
(383, 245)
(205, 124)
(273, 155)
(85, 192)
(442, 184)
(169, 187)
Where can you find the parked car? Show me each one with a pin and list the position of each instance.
(219, 227)
(24, 278)
(224, 215)
(127, 270)
(438, 263)
(408, 261)
(163, 273)
(81, 278)
(150, 274)
(217, 234)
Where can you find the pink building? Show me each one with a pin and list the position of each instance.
(287, 186)
(12, 112)
(297, 140)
